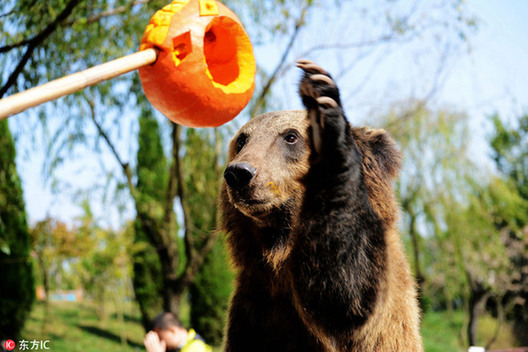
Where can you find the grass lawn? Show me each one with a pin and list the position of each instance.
(442, 333)
(76, 327)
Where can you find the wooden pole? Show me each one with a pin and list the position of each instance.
(19, 102)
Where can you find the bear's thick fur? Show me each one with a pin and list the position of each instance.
(310, 214)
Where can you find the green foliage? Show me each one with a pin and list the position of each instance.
(151, 185)
(16, 271)
(102, 267)
(210, 295)
(212, 286)
(510, 152)
(477, 244)
(147, 278)
(110, 28)
(55, 244)
(464, 226)
(435, 166)
(151, 160)
(202, 177)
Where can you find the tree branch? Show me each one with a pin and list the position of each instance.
(177, 173)
(266, 89)
(172, 187)
(500, 320)
(158, 236)
(419, 104)
(103, 134)
(124, 166)
(196, 256)
(89, 20)
(10, 47)
(111, 12)
(213, 235)
(35, 42)
(10, 12)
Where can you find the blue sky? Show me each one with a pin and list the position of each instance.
(491, 77)
(494, 76)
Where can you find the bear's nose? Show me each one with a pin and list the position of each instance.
(239, 175)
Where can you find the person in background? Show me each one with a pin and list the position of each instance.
(168, 334)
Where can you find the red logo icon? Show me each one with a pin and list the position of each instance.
(9, 345)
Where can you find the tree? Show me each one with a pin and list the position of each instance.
(54, 244)
(212, 287)
(478, 247)
(202, 172)
(103, 267)
(16, 271)
(435, 162)
(450, 211)
(473, 222)
(510, 153)
(210, 294)
(151, 185)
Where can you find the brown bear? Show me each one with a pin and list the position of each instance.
(308, 206)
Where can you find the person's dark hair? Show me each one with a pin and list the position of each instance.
(164, 321)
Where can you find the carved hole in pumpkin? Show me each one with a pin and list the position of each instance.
(181, 47)
(221, 45)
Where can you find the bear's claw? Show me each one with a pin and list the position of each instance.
(309, 66)
(327, 102)
(319, 78)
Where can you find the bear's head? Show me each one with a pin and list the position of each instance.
(265, 178)
(268, 158)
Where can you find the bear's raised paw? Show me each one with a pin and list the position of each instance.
(320, 96)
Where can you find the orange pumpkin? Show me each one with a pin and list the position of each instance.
(205, 71)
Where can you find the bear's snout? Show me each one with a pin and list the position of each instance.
(239, 175)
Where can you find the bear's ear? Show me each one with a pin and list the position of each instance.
(385, 151)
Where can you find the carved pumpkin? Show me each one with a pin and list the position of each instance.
(205, 71)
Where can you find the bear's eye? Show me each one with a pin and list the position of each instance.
(241, 142)
(290, 138)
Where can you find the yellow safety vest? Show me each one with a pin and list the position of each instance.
(193, 345)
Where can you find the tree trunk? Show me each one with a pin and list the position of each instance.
(477, 302)
(500, 320)
(172, 300)
(45, 283)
